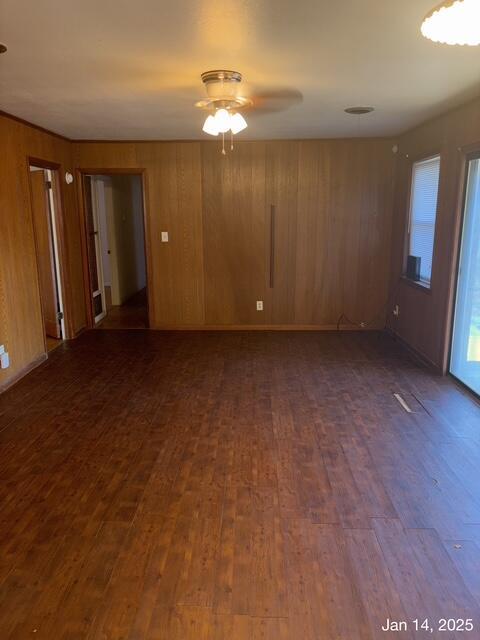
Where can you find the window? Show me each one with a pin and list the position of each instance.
(423, 211)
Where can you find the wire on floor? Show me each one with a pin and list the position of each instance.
(381, 313)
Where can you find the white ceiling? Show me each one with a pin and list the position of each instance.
(130, 69)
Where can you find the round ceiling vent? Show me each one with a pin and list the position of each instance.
(359, 111)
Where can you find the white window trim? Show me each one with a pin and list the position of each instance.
(423, 283)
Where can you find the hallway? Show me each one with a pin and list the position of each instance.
(132, 314)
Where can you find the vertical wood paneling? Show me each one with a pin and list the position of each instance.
(333, 224)
(174, 205)
(343, 231)
(425, 315)
(332, 231)
(313, 221)
(370, 231)
(234, 219)
(282, 193)
(22, 333)
(106, 155)
(21, 328)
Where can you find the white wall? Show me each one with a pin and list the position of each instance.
(124, 222)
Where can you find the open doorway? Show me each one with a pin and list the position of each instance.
(44, 185)
(116, 250)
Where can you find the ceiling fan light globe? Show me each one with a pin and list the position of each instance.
(222, 120)
(210, 126)
(237, 123)
(454, 23)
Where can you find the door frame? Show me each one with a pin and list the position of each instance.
(469, 152)
(60, 251)
(98, 254)
(134, 171)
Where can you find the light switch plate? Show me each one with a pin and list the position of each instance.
(164, 236)
(259, 305)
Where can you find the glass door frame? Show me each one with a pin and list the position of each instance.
(470, 153)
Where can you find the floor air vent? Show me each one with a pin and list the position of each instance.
(403, 402)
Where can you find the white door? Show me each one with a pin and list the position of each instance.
(95, 250)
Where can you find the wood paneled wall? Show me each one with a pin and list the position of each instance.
(333, 211)
(426, 315)
(333, 232)
(21, 326)
(333, 206)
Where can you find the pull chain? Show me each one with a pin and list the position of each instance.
(224, 153)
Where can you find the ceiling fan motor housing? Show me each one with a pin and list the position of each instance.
(223, 90)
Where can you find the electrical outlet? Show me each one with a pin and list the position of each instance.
(259, 305)
(164, 236)
(4, 360)
(396, 310)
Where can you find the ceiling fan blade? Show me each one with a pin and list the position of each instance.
(274, 100)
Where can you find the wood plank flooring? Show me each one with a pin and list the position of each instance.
(234, 486)
(132, 314)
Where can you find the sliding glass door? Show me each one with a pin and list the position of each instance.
(465, 356)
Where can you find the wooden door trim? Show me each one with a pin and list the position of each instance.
(43, 164)
(134, 171)
(87, 288)
(65, 284)
(46, 255)
(37, 266)
(63, 257)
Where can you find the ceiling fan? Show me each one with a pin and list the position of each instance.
(228, 95)
(224, 100)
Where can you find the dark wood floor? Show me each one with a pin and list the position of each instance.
(233, 486)
(132, 314)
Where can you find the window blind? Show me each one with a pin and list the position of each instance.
(423, 212)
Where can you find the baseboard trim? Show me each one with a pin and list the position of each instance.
(263, 327)
(417, 355)
(23, 372)
(78, 333)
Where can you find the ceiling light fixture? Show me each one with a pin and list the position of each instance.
(210, 126)
(224, 100)
(222, 120)
(3, 48)
(456, 22)
(237, 123)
